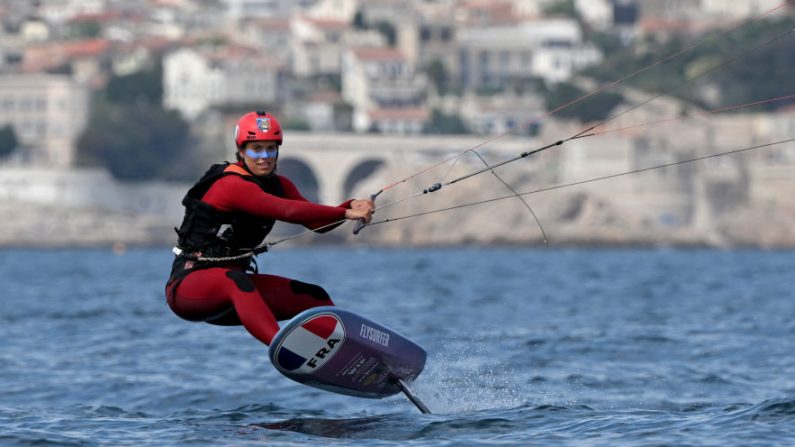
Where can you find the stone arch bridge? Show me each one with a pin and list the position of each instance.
(328, 167)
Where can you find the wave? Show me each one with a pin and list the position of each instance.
(414, 426)
(387, 427)
(768, 410)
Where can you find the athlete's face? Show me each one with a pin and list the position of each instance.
(260, 156)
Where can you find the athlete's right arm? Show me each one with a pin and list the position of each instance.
(232, 193)
(291, 192)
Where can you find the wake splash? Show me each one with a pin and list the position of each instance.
(460, 379)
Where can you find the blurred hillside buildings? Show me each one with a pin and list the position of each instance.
(196, 78)
(384, 59)
(353, 69)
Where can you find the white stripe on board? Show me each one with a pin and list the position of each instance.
(303, 342)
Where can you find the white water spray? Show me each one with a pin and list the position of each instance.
(460, 379)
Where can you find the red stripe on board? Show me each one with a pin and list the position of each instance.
(322, 326)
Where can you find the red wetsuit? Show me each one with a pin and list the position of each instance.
(225, 294)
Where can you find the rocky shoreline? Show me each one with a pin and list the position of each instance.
(88, 209)
(39, 226)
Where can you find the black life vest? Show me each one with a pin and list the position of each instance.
(210, 233)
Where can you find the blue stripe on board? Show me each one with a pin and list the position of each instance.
(289, 360)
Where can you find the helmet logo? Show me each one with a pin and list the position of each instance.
(264, 124)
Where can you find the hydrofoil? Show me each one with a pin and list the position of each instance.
(337, 350)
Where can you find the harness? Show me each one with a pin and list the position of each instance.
(207, 232)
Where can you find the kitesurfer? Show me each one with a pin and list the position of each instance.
(229, 212)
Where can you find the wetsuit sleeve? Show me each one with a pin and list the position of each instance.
(291, 192)
(232, 193)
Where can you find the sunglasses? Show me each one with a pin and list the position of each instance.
(262, 153)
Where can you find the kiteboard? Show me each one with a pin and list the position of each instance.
(340, 351)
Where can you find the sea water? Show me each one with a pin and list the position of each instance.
(543, 347)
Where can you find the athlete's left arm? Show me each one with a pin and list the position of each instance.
(291, 192)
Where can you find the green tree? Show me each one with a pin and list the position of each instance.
(84, 30)
(389, 31)
(358, 21)
(596, 107)
(135, 142)
(130, 133)
(442, 123)
(562, 8)
(8, 140)
(330, 81)
(760, 56)
(384, 27)
(438, 75)
(141, 87)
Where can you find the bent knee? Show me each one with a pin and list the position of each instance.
(312, 290)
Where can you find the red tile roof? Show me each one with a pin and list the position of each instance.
(413, 113)
(83, 48)
(325, 96)
(377, 54)
(48, 55)
(328, 24)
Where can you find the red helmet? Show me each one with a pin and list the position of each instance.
(257, 126)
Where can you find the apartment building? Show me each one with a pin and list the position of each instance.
(197, 78)
(317, 45)
(48, 113)
(386, 93)
(247, 9)
(548, 49)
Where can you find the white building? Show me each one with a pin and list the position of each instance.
(60, 11)
(237, 10)
(385, 92)
(47, 112)
(597, 13)
(549, 49)
(739, 9)
(195, 79)
(317, 45)
(35, 30)
(498, 114)
(772, 169)
(270, 35)
(427, 39)
(343, 10)
(374, 11)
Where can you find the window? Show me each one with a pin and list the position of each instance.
(527, 57)
(425, 34)
(505, 60)
(484, 58)
(463, 67)
(485, 70)
(445, 34)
